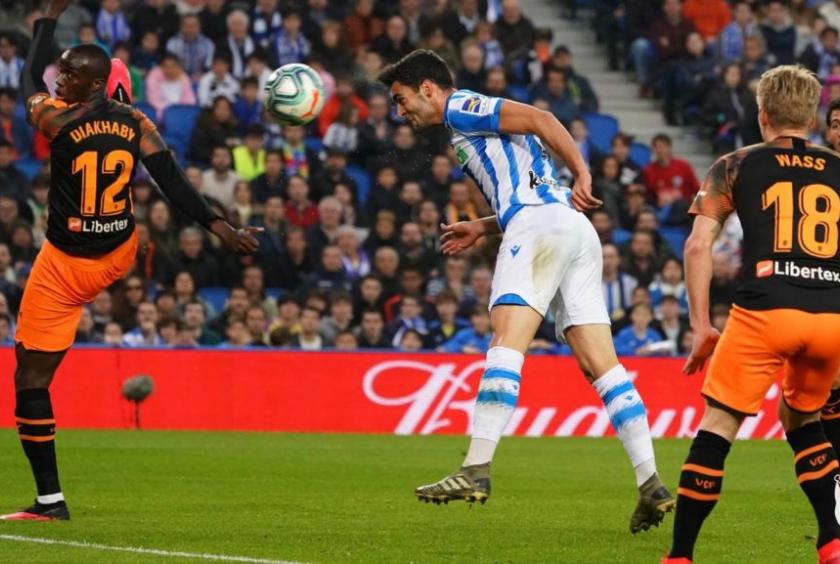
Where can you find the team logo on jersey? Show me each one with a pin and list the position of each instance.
(539, 180)
(74, 224)
(764, 269)
(461, 155)
(471, 105)
(515, 249)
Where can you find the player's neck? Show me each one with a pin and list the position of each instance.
(773, 134)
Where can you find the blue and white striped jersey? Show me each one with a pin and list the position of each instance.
(512, 171)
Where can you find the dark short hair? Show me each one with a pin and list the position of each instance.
(99, 62)
(414, 68)
(833, 106)
(663, 137)
(313, 309)
(372, 311)
(829, 29)
(249, 81)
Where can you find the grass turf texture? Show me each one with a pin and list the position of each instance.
(348, 498)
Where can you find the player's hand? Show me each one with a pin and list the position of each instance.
(702, 347)
(55, 8)
(458, 237)
(240, 241)
(582, 197)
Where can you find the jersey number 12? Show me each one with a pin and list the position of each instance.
(88, 165)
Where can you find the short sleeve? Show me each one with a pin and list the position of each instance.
(469, 112)
(45, 113)
(150, 140)
(715, 198)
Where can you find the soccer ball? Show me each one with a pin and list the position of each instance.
(294, 94)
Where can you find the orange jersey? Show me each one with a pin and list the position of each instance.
(95, 147)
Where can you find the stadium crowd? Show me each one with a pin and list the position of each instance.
(351, 204)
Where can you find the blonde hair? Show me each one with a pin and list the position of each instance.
(789, 95)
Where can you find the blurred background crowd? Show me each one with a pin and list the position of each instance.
(352, 203)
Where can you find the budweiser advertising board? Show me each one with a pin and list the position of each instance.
(261, 390)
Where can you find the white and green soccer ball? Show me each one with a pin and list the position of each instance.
(294, 94)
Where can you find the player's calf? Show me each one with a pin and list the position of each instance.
(830, 418)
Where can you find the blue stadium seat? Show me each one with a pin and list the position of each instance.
(640, 154)
(362, 179)
(520, 93)
(147, 109)
(179, 121)
(29, 167)
(621, 236)
(216, 296)
(675, 236)
(274, 293)
(179, 145)
(314, 144)
(602, 128)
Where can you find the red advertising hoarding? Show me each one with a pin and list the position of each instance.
(271, 390)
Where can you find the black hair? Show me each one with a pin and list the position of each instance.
(834, 105)
(9, 92)
(99, 63)
(827, 30)
(249, 81)
(414, 68)
(665, 138)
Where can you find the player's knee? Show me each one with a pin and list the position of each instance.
(791, 419)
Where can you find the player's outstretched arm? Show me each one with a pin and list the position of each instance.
(524, 119)
(460, 236)
(40, 50)
(698, 278)
(174, 184)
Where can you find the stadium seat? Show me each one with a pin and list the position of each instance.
(520, 93)
(675, 236)
(314, 144)
(179, 121)
(216, 296)
(640, 154)
(362, 179)
(29, 167)
(147, 109)
(602, 128)
(620, 237)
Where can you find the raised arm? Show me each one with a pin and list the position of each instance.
(519, 118)
(40, 50)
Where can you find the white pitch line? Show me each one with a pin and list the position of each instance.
(151, 551)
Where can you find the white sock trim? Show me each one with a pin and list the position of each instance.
(503, 357)
(51, 498)
(610, 379)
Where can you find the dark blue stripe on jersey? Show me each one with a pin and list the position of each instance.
(515, 204)
(480, 146)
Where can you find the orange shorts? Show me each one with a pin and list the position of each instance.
(756, 345)
(58, 286)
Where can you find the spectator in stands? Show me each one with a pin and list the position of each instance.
(632, 340)
(476, 338)
(726, 109)
(437, 184)
(471, 73)
(127, 298)
(447, 322)
(607, 187)
(411, 194)
(346, 341)
(368, 295)
(330, 275)
(413, 250)
(265, 22)
(496, 83)
(581, 91)
(386, 265)
(755, 60)
(723, 286)
(325, 231)
(168, 84)
(459, 207)
(664, 43)
(671, 323)
(195, 319)
(145, 333)
(111, 24)
(640, 260)
(375, 133)
(215, 127)
(710, 17)
(459, 22)
(361, 26)
(412, 341)
(435, 40)
(629, 171)
(779, 32)
(342, 134)
(256, 323)
(13, 126)
(554, 90)
(371, 331)
(166, 304)
(743, 25)
(297, 261)
(297, 158)
(393, 44)
(300, 210)
(580, 133)
(193, 258)
(669, 282)
(237, 334)
(158, 17)
(720, 315)
(289, 44)
(122, 51)
(213, 18)
(353, 258)
(7, 271)
(85, 331)
(10, 63)
(12, 182)
(344, 94)
(409, 318)
(490, 46)
(686, 82)
(193, 49)
(271, 183)
(822, 56)
(384, 232)
(145, 55)
(340, 318)
(309, 337)
(112, 335)
(515, 33)
(219, 181)
(603, 225)
(102, 311)
(218, 81)
(618, 285)
(249, 157)
(87, 36)
(238, 43)
(384, 195)
(668, 178)
(831, 12)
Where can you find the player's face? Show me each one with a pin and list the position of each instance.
(74, 82)
(833, 133)
(415, 105)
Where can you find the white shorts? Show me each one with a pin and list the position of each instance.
(550, 259)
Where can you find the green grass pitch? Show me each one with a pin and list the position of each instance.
(348, 498)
